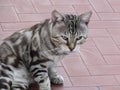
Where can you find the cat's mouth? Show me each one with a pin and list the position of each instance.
(69, 52)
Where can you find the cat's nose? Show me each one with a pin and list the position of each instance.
(71, 47)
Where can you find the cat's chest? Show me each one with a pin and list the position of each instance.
(53, 57)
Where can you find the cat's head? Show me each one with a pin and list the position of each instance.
(68, 32)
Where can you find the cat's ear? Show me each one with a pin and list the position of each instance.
(56, 16)
(85, 17)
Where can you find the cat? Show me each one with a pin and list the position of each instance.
(30, 55)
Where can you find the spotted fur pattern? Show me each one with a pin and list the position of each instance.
(30, 55)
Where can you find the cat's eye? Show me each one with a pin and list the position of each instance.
(79, 38)
(64, 37)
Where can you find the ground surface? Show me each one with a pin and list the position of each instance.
(97, 66)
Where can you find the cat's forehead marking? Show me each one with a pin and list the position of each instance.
(71, 22)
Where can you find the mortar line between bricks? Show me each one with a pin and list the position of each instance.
(95, 75)
(99, 51)
(14, 9)
(90, 20)
(84, 64)
(74, 9)
(112, 39)
(92, 6)
(97, 86)
(67, 74)
(94, 10)
(79, 86)
(51, 2)
(110, 5)
(116, 79)
(1, 26)
(16, 14)
(33, 5)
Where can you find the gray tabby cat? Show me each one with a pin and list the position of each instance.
(31, 55)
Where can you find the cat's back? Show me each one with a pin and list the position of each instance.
(14, 45)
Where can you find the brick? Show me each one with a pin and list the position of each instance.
(70, 2)
(7, 14)
(106, 46)
(61, 8)
(104, 24)
(101, 5)
(85, 8)
(116, 8)
(44, 8)
(83, 81)
(66, 9)
(5, 3)
(41, 2)
(92, 56)
(74, 66)
(94, 81)
(106, 80)
(112, 59)
(109, 16)
(4, 35)
(67, 82)
(98, 33)
(23, 6)
(115, 5)
(16, 26)
(33, 17)
(110, 88)
(115, 33)
(115, 2)
(75, 88)
(104, 69)
(89, 43)
(0, 28)
(118, 78)
(62, 71)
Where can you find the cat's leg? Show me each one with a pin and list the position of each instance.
(19, 86)
(54, 76)
(40, 74)
(5, 83)
(20, 78)
(5, 77)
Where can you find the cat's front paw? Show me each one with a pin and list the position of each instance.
(58, 79)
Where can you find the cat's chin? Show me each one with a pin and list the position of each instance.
(64, 52)
(69, 52)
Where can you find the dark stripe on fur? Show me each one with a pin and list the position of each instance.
(71, 23)
(43, 66)
(39, 71)
(34, 53)
(34, 69)
(2, 80)
(38, 62)
(2, 86)
(20, 88)
(34, 63)
(7, 68)
(41, 81)
(4, 74)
